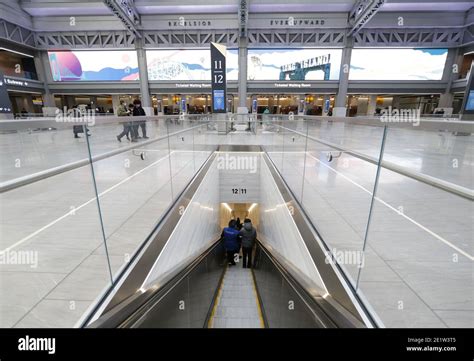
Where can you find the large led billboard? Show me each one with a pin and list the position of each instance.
(397, 64)
(94, 65)
(189, 64)
(293, 64)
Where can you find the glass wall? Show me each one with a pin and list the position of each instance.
(394, 206)
(77, 200)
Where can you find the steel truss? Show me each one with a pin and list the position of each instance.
(86, 40)
(409, 37)
(123, 39)
(17, 34)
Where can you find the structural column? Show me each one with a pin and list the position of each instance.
(243, 51)
(340, 109)
(395, 102)
(449, 75)
(159, 101)
(372, 105)
(143, 71)
(326, 98)
(42, 69)
(115, 103)
(93, 102)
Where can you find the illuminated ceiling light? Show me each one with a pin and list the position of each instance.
(252, 207)
(17, 52)
(227, 206)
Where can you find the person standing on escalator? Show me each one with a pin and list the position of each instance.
(231, 238)
(248, 234)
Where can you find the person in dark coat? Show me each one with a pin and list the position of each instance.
(238, 224)
(231, 238)
(248, 235)
(139, 111)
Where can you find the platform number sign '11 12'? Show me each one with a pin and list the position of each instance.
(218, 72)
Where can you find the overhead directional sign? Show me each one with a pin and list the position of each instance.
(218, 81)
(5, 104)
(468, 102)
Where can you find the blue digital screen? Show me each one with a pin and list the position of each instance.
(470, 101)
(218, 100)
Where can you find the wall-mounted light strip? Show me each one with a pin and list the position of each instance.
(227, 206)
(17, 52)
(252, 207)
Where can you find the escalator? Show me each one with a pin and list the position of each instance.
(201, 290)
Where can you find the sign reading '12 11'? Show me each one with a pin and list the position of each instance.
(218, 81)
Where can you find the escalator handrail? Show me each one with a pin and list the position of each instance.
(341, 273)
(129, 311)
(141, 247)
(323, 308)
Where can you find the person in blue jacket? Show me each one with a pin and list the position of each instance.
(231, 238)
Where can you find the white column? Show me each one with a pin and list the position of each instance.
(144, 87)
(372, 105)
(44, 74)
(159, 99)
(242, 106)
(115, 103)
(326, 97)
(446, 99)
(340, 109)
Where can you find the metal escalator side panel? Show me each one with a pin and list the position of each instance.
(340, 295)
(215, 302)
(128, 282)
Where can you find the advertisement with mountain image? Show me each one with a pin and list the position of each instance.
(94, 65)
(397, 64)
(187, 64)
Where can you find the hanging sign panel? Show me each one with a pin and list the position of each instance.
(5, 104)
(218, 81)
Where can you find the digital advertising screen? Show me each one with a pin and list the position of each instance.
(397, 64)
(218, 98)
(293, 64)
(470, 101)
(94, 65)
(189, 64)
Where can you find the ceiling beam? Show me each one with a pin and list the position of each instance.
(127, 13)
(362, 12)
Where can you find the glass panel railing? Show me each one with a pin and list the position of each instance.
(133, 185)
(419, 249)
(140, 180)
(68, 226)
(339, 180)
(288, 149)
(407, 250)
(53, 262)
